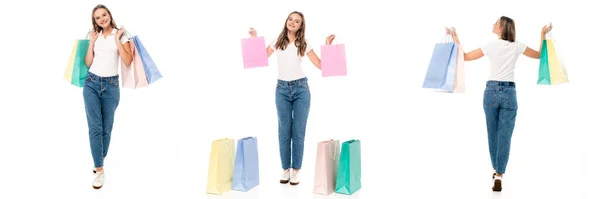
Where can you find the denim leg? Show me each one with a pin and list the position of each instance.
(491, 109)
(507, 118)
(93, 110)
(110, 101)
(284, 114)
(301, 108)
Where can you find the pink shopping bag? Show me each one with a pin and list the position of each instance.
(134, 76)
(459, 81)
(333, 60)
(254, 52)
(326, 167)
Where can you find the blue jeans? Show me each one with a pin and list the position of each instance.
(101, 97)
(500, 106)
(293, 104)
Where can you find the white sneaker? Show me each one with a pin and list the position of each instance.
(98, 179)
(295, 179)
(285, 177)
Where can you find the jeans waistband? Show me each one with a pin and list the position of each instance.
(293, 82)
(500, 83)
(95, 77)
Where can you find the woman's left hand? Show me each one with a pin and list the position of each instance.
(329, 39)
(120, 33)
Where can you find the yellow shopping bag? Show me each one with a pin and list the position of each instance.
(220, 169)
(69, 70)
(558, 73)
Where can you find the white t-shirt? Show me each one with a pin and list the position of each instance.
(106, 55)
(503, 57)
(289, 62)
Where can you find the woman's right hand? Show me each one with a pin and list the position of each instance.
(252, 32)
(93, 36)
(546, 29)
(451, 30)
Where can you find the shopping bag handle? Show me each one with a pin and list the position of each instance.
(332, 151)
(447, 38)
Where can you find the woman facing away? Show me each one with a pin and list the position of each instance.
(101, 93)
(292, 96)
(500, 95)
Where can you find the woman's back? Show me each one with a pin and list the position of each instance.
(503, 57)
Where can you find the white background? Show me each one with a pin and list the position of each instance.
(416, 143)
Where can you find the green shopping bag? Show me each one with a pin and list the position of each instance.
(349, 172)
(544, 70)
(80, 69)
(77, 70)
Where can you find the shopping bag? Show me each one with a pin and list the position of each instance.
(443, 61)
(348, 179)
(333, 60)
(326, 167)
(68, 76)
(133, 76)
(254, 53)
(150, 69)
(449, 78)
(245, 171)
(557, 70)
(77, 70)
(80, 69)
(220, 169)
(459, 81)
(544, 69)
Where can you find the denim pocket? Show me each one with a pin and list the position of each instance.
(510, 97)
(114, 83)
(489, 98)
(303, 85)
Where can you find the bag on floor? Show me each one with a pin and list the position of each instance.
(220, 169)
(245, 171)
(326, 166)
(348, 179)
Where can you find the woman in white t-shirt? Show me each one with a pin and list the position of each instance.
(101, 93)
(292, 93)
(500, 95)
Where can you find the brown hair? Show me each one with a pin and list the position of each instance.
(283, 40)
(509, 32)
(112, 21)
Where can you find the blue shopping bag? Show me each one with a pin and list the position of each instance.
(152, 73)
(245, 171)
(442, 67)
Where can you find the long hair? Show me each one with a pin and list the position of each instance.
(509, 32)
(97, 28)
(283, 40)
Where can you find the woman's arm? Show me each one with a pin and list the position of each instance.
(124, 48)
(536, 54)
(312, 56)
(470, 56)
(89, 56)
(125, 52)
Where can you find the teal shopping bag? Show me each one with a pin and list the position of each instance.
(348, 179)
(544, 70)
(80, 69)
